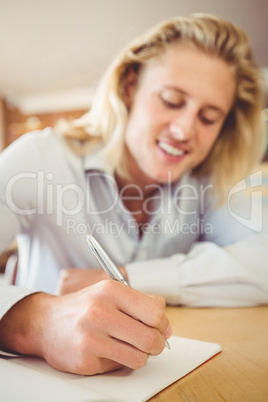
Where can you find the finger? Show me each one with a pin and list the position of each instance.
(168, 332)
(149, 310)
(106, 365)
(143, 337)
(123, 354)
(110, 297)
(103, 317)
(88, 365)
(92, 366)
(102, 348)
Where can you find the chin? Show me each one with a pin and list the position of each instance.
(168, 177)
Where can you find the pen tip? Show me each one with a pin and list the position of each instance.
(167, 344)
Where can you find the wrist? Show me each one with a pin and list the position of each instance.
(22, 326)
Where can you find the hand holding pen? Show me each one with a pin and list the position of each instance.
(99, 328)
(107, 264)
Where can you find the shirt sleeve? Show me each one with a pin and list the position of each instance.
(228, 268)
(18, 165)
(12, 195)
(208, 276)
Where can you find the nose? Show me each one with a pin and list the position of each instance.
(183, 127)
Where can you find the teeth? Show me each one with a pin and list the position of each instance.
(169, 149)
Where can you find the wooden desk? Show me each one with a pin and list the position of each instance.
(240, 372)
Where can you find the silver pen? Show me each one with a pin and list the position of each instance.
(109, 267)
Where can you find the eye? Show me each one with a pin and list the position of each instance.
(210, 116)
(207, 121)
(172, 99)
(171, 104)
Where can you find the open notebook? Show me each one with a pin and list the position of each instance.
(31, 379)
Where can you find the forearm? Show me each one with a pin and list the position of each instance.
(208, 276)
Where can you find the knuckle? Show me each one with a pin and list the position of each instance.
(162, 301)
(95, 312)
(106, 287)
(158, 315)
(159, 347)
(151, 340)
(139, 360)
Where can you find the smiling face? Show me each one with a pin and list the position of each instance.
(176, 113)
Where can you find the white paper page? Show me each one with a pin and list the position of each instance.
(22, 384)
(160, 371)
(124, 385)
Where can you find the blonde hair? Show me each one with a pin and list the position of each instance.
(240, 144)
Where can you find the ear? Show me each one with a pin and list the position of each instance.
(130, 84)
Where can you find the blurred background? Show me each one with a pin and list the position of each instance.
(54, 52)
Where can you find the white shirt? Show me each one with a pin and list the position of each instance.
(190, 252)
